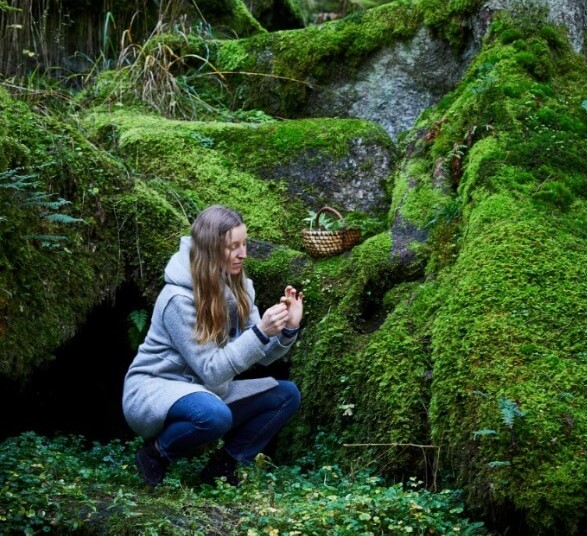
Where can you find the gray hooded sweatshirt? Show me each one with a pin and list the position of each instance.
(171, 364)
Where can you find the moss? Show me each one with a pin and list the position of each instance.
(280, 69)
(514, 301)
(365, 361)
(343, 310)
(185, 159)
(298, 12)
(266, 146)
(229, 17)
(272, 274)
(276, 71)
(415, 196)
(499, 323)
(450, 19)
(394, 377)
(50, 271)
(195, 164)
(511, 325)
(369, 264)
(151, 229)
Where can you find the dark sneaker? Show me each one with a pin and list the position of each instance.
(221, 465)
(152, 466)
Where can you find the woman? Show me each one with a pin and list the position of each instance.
(180, 392)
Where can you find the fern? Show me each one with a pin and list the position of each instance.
(49, 241)
(510, 411)
(496, 464)
(25, 187)
(484, 432)
(62, 218)
(46, 237)
(45, 200)
(325, 222)
(139, 320)
(11, 179)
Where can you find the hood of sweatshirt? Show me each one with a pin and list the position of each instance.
(177, 271)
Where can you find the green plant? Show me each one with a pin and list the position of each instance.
(369, 225)
(4, 6)
(139, 324)
(63, 485)
(328, 502)
(162, 75)
(108, 46)
(324, 221)
(511, 416)
(33, 500)
(25, 190)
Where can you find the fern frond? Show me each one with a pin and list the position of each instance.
(138, 327)
(45, 200)
(496, 464)
(484, 432)
(62, 218)
(19, 183)
(139, 319)
(510, 410)
(46, 237)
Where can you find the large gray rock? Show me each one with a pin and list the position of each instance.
(395, 85)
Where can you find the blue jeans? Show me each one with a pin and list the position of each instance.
(246, 425)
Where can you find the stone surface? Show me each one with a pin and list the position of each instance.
(404, 234)
(355, 181)
(395, 85)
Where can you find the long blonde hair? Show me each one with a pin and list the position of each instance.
(210, 235)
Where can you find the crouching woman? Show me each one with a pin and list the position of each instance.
(180, 392)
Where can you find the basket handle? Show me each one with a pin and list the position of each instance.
(333, 211)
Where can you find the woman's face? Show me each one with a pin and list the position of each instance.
(236, 249)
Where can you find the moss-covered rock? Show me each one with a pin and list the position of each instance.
(483, 360)
(56, 260)
(509, 357)
(180, 161)
(230, 17)
(296, 73)
(282, 70)
(343, 296)
(103, 217)
(508, 341)
(194, 164)
(345, 163)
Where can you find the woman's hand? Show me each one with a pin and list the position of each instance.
(295, 305)
(274, 319)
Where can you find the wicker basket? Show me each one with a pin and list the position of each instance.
(327, 243)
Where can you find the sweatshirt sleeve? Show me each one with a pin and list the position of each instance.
(213, 364)
(278, 345)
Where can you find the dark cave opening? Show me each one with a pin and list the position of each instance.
(80, 391)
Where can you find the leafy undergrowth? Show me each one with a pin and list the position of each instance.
(63, 485)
